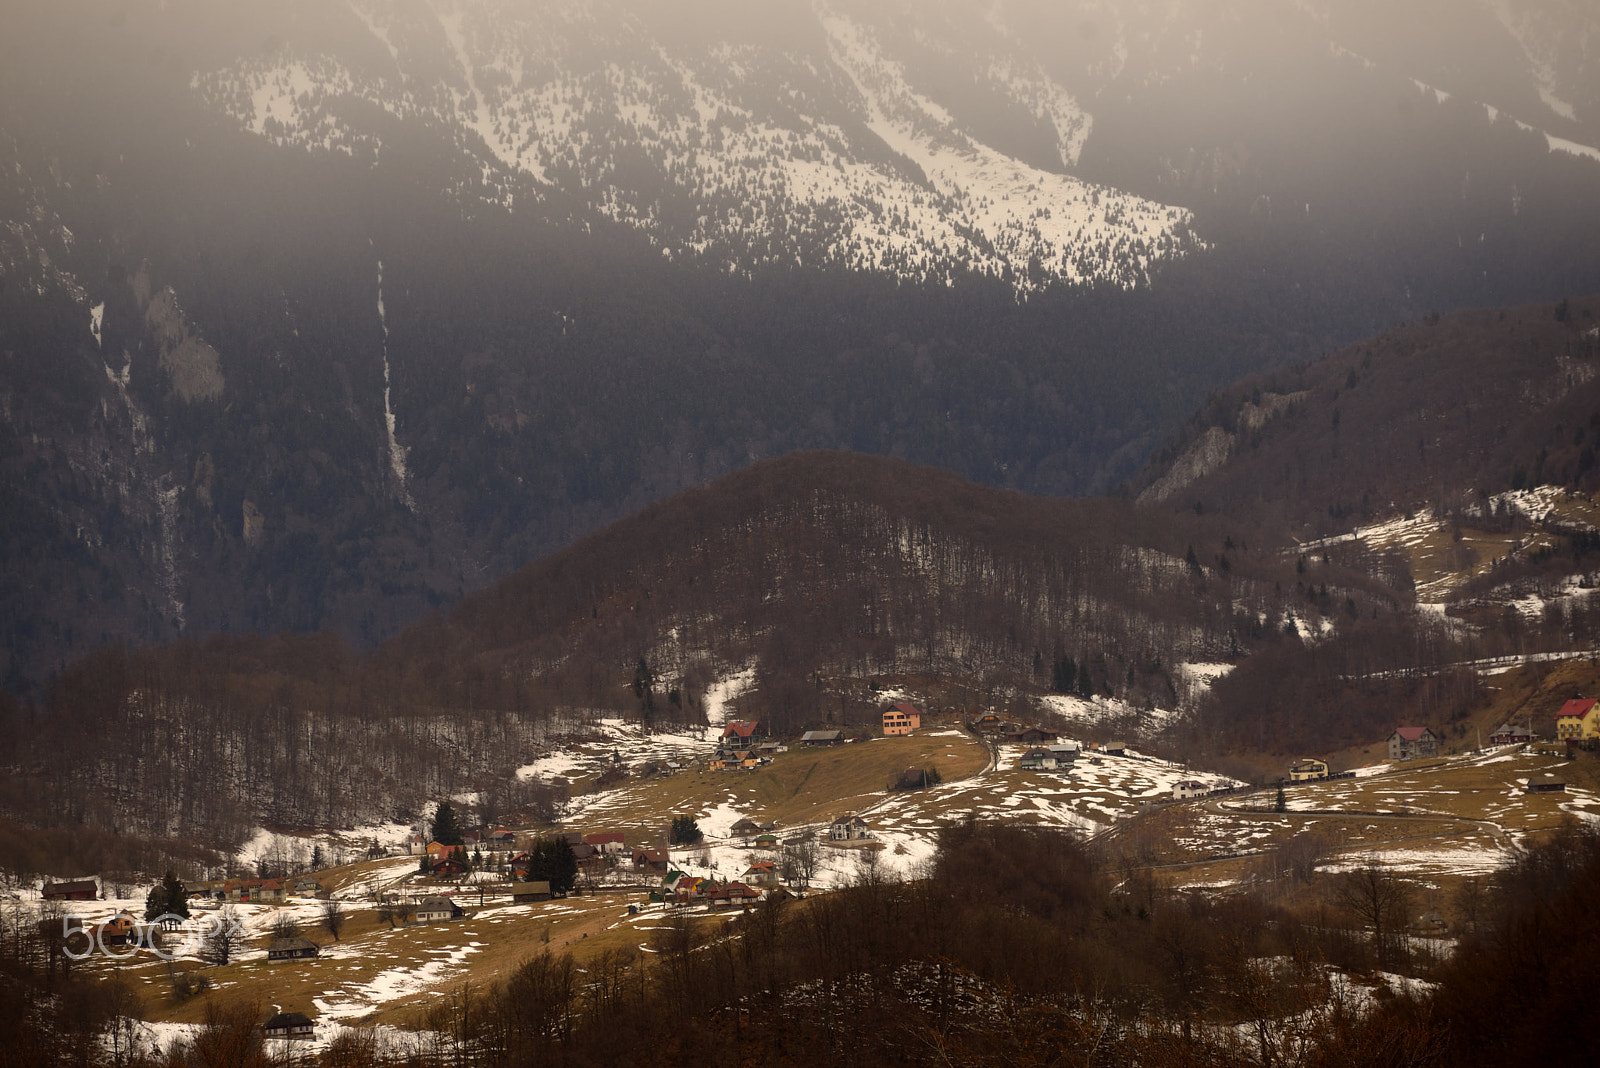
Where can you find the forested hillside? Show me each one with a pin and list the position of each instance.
(1443, 413)
(809, 569)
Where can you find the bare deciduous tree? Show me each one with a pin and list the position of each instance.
(333, 917)
(801, 857)
(226, 938)
(1379, 899)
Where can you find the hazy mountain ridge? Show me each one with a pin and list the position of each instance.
(750, 151)
(539, 370)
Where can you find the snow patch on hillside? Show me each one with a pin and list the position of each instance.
(722, 693)
(1033, 221)
(1572, 148)
(1045, 99)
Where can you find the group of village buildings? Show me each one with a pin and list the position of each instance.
(1577, 724)
(742, 744)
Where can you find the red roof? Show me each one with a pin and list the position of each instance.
(1576, 707)
(763, 865)
(603, 837)
(742, 728)
(1410, 734)
(906, 708)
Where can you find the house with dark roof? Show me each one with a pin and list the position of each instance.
(1183, 791)
(1030, 736)
(1037, 759)
(438, 909)
(1413, 743)
(452, 863)
(744, 828)
(822, 737)
(848, 829)
(76, 890)
(732, 896)
(651, 860)
(292, 949)
(1510, 734)
(530, 892)
(289, 1025)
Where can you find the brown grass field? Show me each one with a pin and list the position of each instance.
(802, 786)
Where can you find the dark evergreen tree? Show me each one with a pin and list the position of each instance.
(684, 831)
(1064, 676)
(446, 825)
(644, 681)
(552, 860)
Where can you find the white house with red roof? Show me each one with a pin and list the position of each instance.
(1413, 743)
(607, 841)
(762, 873)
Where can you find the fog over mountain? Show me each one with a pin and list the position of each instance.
(318, 315)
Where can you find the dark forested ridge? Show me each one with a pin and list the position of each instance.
(1443, 413)
(218, 456)
(813, 567)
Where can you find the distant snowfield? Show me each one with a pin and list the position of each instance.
(1449, 860)
(729, 154)
(1109, 712)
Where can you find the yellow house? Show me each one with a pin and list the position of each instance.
(1577, 720)
(1308, 770)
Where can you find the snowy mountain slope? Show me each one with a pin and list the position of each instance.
(735, 151)
(920, 141)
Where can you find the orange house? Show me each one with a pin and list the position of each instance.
(902, 717)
